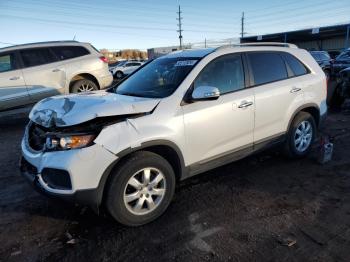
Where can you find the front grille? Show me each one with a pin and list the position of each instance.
(36, 137)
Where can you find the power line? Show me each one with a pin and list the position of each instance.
(286, 19)
(304, 8)
(5, 43)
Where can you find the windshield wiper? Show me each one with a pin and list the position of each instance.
(131, 94)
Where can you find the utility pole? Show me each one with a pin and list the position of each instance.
(242, 25)
(180, 26)
(205, 43)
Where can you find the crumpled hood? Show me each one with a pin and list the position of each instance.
(68, 110)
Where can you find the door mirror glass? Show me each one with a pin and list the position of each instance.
(205, 93)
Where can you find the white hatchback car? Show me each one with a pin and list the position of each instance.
(125, 68)
(31, 72)
(178, 116)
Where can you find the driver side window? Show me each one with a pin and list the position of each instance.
(225, 73)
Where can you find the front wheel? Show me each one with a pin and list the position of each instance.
(84, 85)
(119, 75)
(300, 136)
(141, 189)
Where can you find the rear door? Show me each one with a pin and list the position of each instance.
(43, 73)
(13, 91)
(277, 93)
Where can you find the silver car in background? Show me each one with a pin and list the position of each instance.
(31, 72)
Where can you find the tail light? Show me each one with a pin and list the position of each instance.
(104, 59)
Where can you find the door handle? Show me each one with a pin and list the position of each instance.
(56, 70)
(15, 78)
(295, 90)
(245, 104)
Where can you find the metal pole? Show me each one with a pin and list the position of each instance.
(242, 25)
(180, 27)
(347, 37)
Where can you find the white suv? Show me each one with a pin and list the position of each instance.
(178, 116)
(31, 72)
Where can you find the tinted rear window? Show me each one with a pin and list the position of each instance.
(267, 67)
(295, 65)
(68, 52)
(36, 57)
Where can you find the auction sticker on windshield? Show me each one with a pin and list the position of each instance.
(186, 63)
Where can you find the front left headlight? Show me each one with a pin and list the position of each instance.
(69, 142)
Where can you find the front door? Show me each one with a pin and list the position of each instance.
(13, 91)
(220, 127)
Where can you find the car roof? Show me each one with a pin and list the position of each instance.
(200, 53)
(40, 44)
(190, 53)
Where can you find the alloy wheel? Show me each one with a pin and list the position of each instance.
(303, 136)
(144, 191)
(86, 87)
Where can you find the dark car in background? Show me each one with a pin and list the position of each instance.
(341, 62)
(342, 89)
(333, 54)
(324, 60)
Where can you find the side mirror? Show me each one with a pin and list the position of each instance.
(205, 93)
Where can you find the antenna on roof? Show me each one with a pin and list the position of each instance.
(74, 37)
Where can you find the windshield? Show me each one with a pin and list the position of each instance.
(158, 79)
(344, 55)
(121, 63)
(315, 56)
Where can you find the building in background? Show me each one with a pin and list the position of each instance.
(329, 38)
(127, 54)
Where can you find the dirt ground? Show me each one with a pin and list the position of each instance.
(262, 208)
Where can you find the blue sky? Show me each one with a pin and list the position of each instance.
(150, 23)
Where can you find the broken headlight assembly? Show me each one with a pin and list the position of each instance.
(66, 142)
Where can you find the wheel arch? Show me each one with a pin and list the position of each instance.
(312, 109)
(82, 76)
(166, 149)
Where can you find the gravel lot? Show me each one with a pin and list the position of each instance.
(263, 208)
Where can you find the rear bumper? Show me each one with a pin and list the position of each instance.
(106, 80)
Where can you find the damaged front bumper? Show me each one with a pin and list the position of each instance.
(73, 175)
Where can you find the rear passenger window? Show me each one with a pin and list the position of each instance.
(225, 73)
(267, 67)
(7, 62)
(68, 52)
(36, 57)
(295, 65)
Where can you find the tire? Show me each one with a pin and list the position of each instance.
(119, 75)
(295, 148)
(130, 206)
(84, 85)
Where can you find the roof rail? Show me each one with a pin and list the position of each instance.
(47, 42)
(269, 44)
(276, 44)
